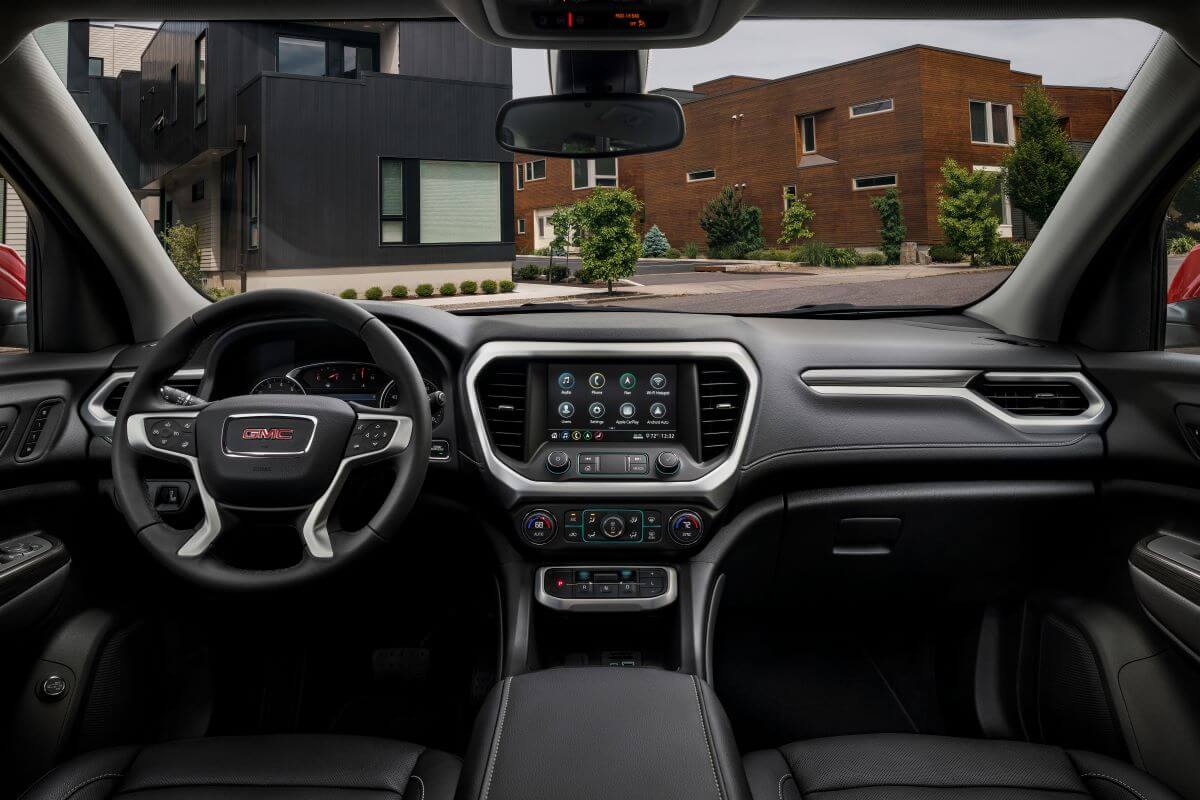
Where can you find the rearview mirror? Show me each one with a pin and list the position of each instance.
(590, 126)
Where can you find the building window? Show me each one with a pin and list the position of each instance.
(201, 78)
(521, 225)
(197, 191)
(355, 58)
(701, 175)
(872, 107)
(789, 196)
(95, 67)
(875, 181)
(1001, 205)
(391, 201)
(460, 201)
(535, 170)
(520, 177)
(252, 203)
(174, 94)
(991, 123)
(300, 56)
(808, 134)
(586, 173)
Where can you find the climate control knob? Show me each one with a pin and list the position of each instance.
(557, 462)
(667, 463)
(612, 526)
(538, 527)
(685, 527)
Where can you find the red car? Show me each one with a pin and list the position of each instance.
(12, 274)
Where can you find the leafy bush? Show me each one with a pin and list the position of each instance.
(468, 287)
(673, 252)
(400, 290)
(219, 292)
(507, 286)
(796, 221)
(813, 252)
(183, 248)
(841, 257)
(448, 289)
(1041, 163)
(528, 272)
(349, 294)
(944, 254)
(891, 220)
(604, 225)
(374, 293)
(691, 250)
(557, 272)
(655, 245)
(733, 228)
(1008, 252)
(967, 210)
(542, 251)
(775, 254)
(488, 286)
(1180, 245)
(425, 290)
(873, 258)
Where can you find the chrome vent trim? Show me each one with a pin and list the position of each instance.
(961, 385)
(96, 413)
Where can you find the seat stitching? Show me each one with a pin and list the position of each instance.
(1120, 783)
(712, 762)
(90, 781)
(491, 768)
(420, 783)
(781, 781)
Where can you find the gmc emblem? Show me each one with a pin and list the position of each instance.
(278, 434)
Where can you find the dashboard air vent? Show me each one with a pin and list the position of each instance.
(502, 393)
(1035, 398)
(112, 403)
(722, 389)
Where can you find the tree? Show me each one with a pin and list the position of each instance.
(797, 217)
(967, 217)
(891, 219)
(609, 245)
(183, 248)
(733, 228)
(655, 245)
(563, 225)
(1038, 169)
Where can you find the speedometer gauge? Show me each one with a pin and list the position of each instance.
(278, 385)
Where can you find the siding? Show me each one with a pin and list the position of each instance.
(52, 39)
(446, 49)
(15, 220)
(120, 46)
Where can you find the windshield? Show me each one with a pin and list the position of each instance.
(833, 162)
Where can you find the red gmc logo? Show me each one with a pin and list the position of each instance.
(278, 434)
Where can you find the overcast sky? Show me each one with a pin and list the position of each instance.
(1066, 52)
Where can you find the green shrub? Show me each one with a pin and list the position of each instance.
(349, 294)
(507, 286)
(691, 250)
(796, 221)
(542, 251)
(399, 290)
(733, 227)
(966, 207)
(872, 258)
(673, 252)
(448, 289)
(219, 292)
(556, 273)
(468, 287)
(944, 254)
(841, 257)
(425, 290)
(1008, 252)
(655, 245)
(891, 220)
(528, 272)
(488, 286)
(183, 248)
(374, 293)
(604, 225)
(774, 254)
(813, 252)
(1180, 245)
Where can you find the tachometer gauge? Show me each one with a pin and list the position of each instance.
(278, 385)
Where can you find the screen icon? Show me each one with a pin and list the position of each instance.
(566, 410)
(596, 410)
(628, 410)
(658, 381)
(566, 380)
(628, 380)
(658, 410)
(576, 436)
(596, 380)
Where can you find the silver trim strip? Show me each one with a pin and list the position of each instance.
(234, 454)
(953, 384)
(94, 414)
(724, 471)
(606, 604)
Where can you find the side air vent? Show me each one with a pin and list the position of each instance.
(112, 401)
(1034, 398)
(722, 389)
(502, 393)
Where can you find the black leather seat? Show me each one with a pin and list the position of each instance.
(907, 767)
(297, 767)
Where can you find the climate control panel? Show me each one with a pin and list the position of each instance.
(611, 524)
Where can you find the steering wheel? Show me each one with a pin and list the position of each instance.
(274, 459)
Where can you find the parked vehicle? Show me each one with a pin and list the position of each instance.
(12, 274)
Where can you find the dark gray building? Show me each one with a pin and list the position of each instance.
(320, 155)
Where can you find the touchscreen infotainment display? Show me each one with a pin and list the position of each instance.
(611, 402)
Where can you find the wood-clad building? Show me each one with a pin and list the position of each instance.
(841, 134)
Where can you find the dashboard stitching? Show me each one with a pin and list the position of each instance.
(910, 446)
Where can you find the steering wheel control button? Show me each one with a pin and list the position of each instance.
(52, 688)
(439, 450)
(538, 527)
(371, 435)
(557, 461)
(171, 433)
(686, 527)
(667, 463)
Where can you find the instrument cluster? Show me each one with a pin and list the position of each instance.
(354, 382)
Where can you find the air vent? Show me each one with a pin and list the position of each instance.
(112, 403)
(502, 393)
(722, 389)
(1035, 398)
